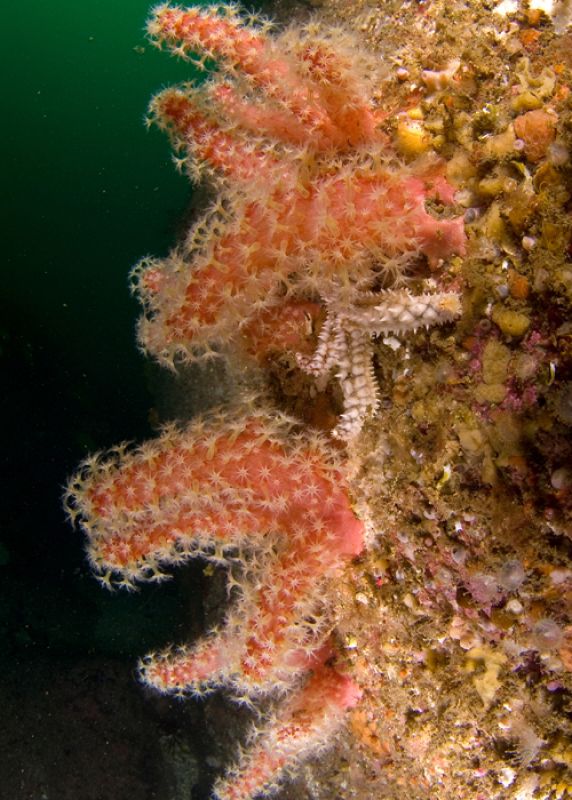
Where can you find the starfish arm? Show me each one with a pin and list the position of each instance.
(358, 384)
(345, 341)
(325, 354)
(402, 312)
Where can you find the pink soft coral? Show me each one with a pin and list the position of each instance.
(311, 201)
(253, 490)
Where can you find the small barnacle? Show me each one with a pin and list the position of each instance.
(514, 606)
(486, 120)
(362, 599)
(561, 479)
(506, 777)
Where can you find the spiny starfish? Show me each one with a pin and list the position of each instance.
(345, 343)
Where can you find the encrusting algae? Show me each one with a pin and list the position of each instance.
(389, 255)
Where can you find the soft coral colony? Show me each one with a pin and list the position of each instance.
(312, 212)
(311, 204)
(253, 488)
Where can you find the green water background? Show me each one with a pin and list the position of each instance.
(88, 190)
